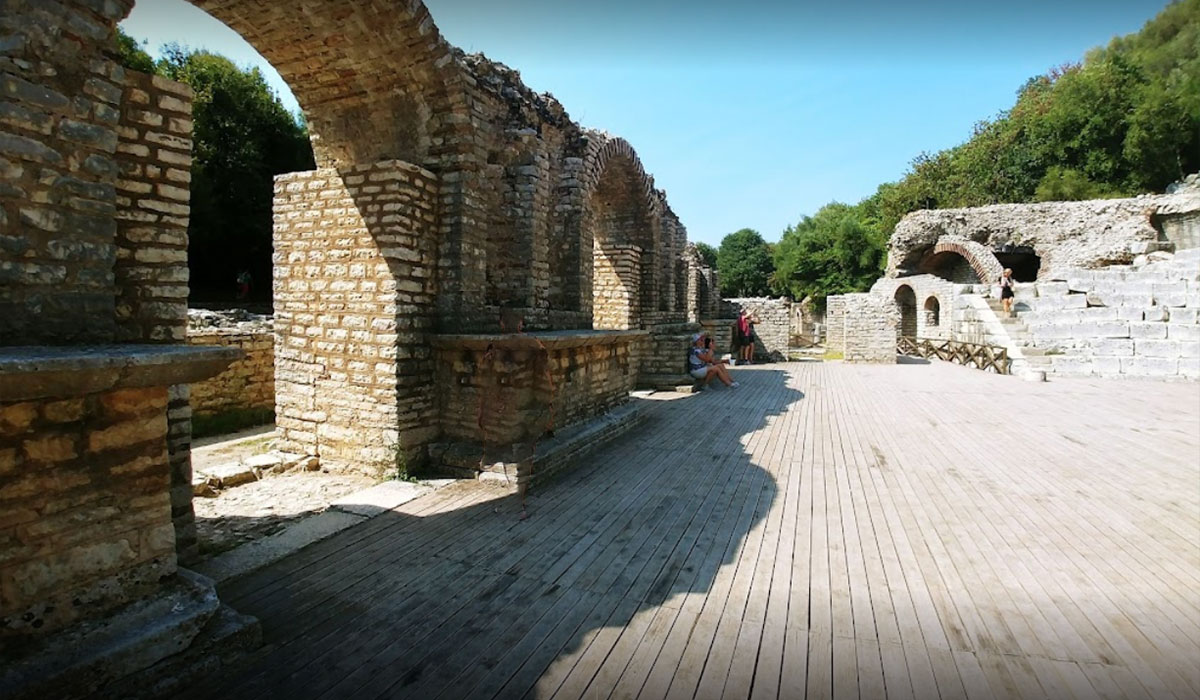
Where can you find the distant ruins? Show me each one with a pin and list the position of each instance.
(1106, 288)
(466, 270)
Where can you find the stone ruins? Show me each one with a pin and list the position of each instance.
(1106, 288)
(466, 271)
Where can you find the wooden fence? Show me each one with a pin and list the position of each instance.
(990, 358)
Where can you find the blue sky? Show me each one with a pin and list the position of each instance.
(753, 114)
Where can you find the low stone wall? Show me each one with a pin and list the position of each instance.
(662, 355)
(87, 516)
(868, 327)
(504, 389)
(721, 331)
(773, 327)
(248, 384)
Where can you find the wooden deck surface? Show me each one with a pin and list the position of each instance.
(825, 530)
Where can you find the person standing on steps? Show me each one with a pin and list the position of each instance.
(1006, 291)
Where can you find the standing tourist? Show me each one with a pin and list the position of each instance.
(1006, 291)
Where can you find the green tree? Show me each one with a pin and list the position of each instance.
(1065, 185)
(131, 54)
(708, 254)
(744, 264)
(837, 250)
(243, 137)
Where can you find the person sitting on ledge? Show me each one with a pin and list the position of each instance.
(701, 364)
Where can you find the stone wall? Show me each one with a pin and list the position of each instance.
(868, 327)
(773, 327)
(87, 517)
(248, 384)
(935, 303)
(354, 300)
(662, 355)
(500, 390)
(1089, 234)
(154, 155)
(835, 324)
(616, 288)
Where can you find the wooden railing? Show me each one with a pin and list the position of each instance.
(985, 357)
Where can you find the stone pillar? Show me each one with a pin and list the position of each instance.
(355, 253)
(179, 455)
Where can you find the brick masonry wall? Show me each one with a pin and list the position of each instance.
(86, 520)
(663, 353)
(354, 300)
(617, 304)
(931, 292)
(869, 328)
(521, 386)
(154, 154)
(835, 324)
(248, 384)
(58, 171)
(773, 328)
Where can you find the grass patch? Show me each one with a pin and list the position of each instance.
(832, 355)
(230, 421)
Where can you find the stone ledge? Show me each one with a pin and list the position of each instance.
(94, 655)
(551, 340)
(37, 372)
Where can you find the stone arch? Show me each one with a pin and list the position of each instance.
(933, 311)
(620, 225)
(940, 260)
(906, 302)
(376, 81)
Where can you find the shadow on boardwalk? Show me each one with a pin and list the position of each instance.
(458, 598)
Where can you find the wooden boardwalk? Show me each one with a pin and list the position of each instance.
(825, 530)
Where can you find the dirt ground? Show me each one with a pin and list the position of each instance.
(260, 508)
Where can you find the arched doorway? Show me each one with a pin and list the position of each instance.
(622, 224)
(906, 300)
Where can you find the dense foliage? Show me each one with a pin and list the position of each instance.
(744, 264)
(837, 250)
(243, 137)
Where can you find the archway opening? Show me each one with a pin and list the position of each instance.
(906, 300)
(623, 248)
(1022, 260)
(950, 266)
(932, 312)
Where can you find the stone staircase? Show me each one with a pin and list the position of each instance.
(1029, 362)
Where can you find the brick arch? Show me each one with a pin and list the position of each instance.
(982, 260)
(375, 79)
(618, 228)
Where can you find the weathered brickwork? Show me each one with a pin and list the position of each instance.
(499, 390)
(248, 384)
(354, 303)
(617, 275)
(835, 324)
(929, 311)
(869, 324)
(154, 155)
(774, 327)
(1089, 234)
(87, 518)
(58, 173)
